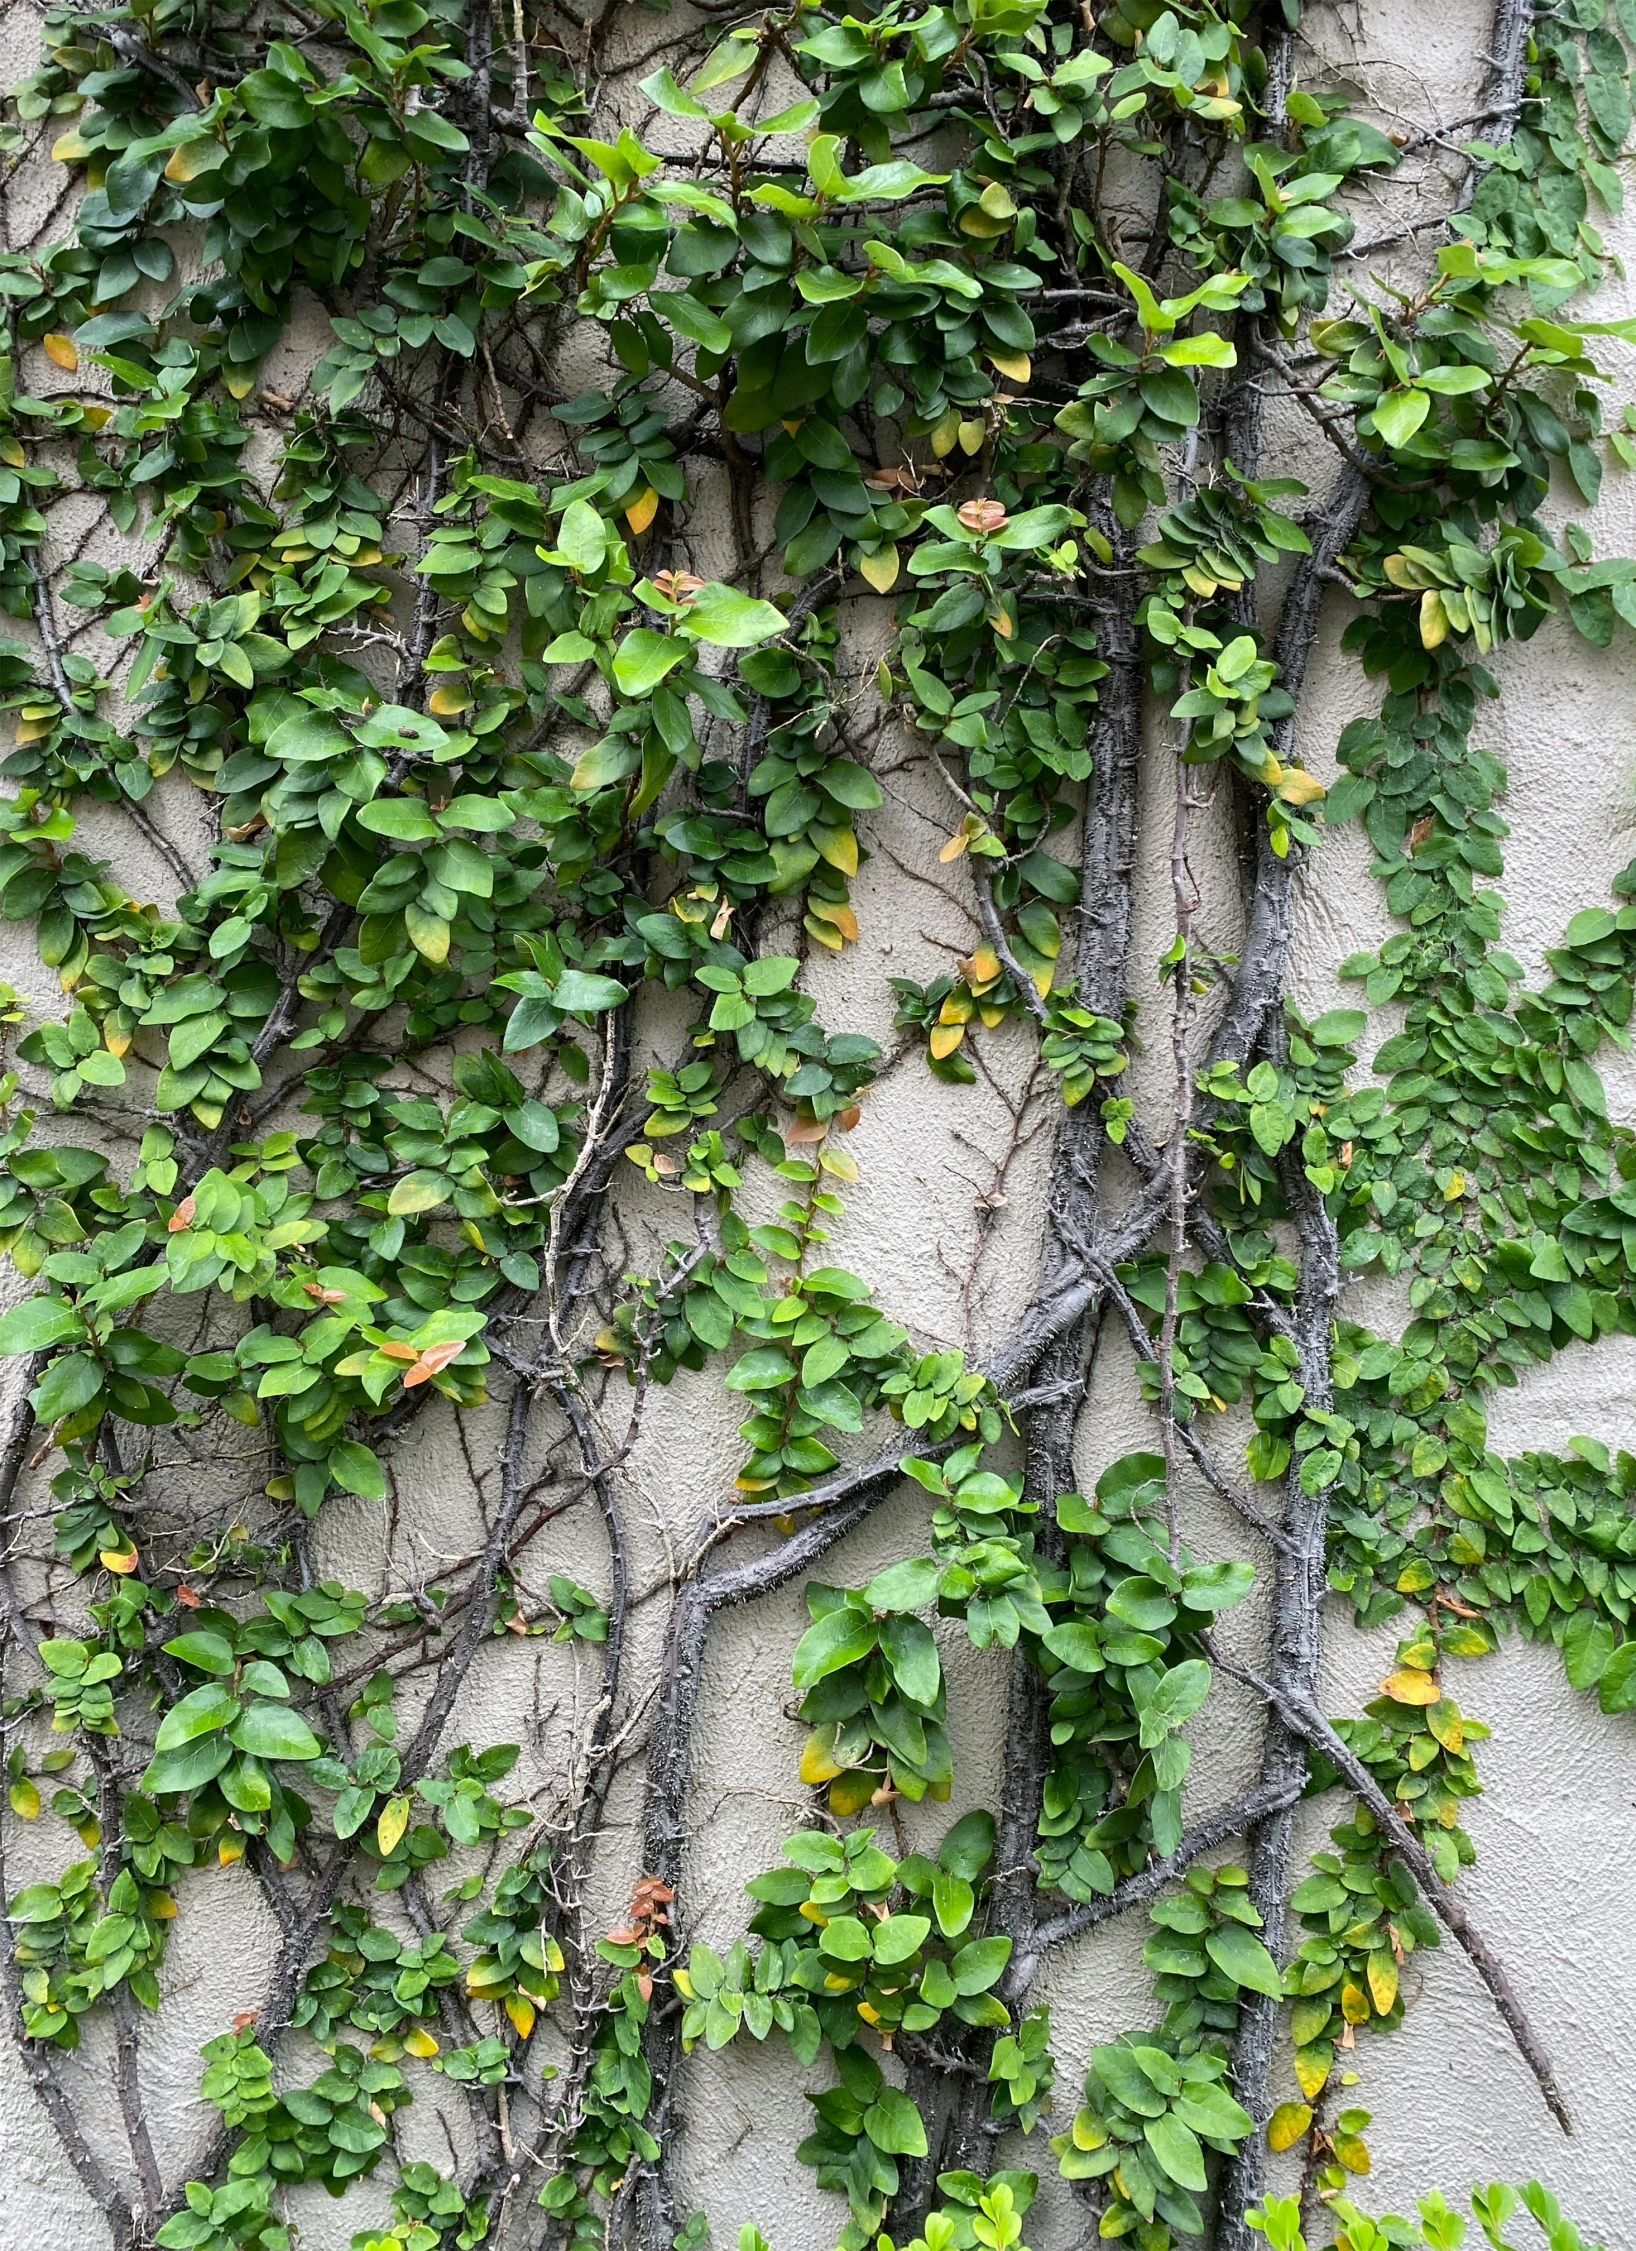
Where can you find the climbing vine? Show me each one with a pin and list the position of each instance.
(468, 1075)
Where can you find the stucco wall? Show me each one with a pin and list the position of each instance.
(1556, 1827)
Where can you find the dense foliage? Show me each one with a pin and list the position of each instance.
(521, 834)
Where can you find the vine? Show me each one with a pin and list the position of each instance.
(497, 840)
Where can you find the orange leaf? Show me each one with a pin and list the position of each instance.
(186, 1597)
(181, 1217)
(642, 509)
(60, 349)
(395, 1351)
(433, 1360)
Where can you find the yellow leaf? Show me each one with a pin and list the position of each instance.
(192, 158)
(971, 436)
(831, 910)
(230, 1850)
(1287, 2124)
(238, 382)
(61, 350)
(1016, 365)
(119, 1560)
(1312, 2068)
(521, 2013)
(818, 1761)
(682, 1982)
(1434, 620)
(161, 1906)
(420, 2042)
(393, 1822)
(1298, 788)
(25, 1799)
(642, 509)
(428, 934)
(956, 845)
(70, 147)
(881, 568)
(1408, 1687)
(1088, 2130)
(822, 935)
(839, 846)
(12, 454)
(1354, 2003)
(1001, 621)
(1456, 1187)
(1382, 1979)
(984, 967)
(946, 1038)
(451, 698)
(1353, 2152)
(1443, 1718)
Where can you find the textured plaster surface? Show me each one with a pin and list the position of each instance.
(944, 1222)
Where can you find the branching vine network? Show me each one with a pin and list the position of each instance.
(1022, 326)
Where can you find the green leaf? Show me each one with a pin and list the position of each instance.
(1177, 2148)
(579, 993)
(206, 1652)
(899, 1936)
(969, 1846)
(356, 1469)
(979, 1963)
(1399, 414)
(38, 1323)
(698, 324)
(728, 619)
(404, 818)
(200, 1713)
(1246, 1961)
(436, 132)
(1216, 1586)
(1077, 1644)
(273, 1731)
(644, 658)
(583, 540)
(894, 2125)
(909, 1649)
(904, 1586)
(1617, 1691)
(841, 1638)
